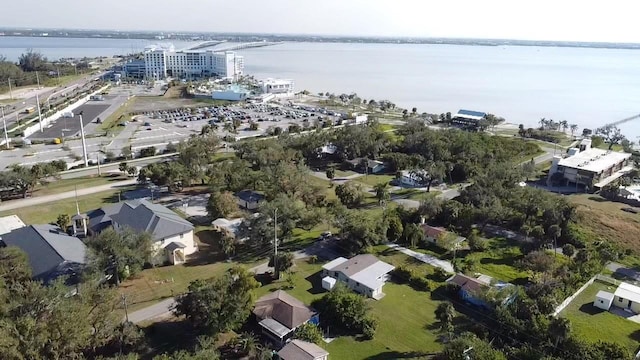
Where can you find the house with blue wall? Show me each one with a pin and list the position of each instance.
(474, 290)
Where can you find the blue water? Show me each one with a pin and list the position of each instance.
(588, 87)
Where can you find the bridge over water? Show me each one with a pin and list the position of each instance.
(616, 123)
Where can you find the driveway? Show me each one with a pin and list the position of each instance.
(427, 259)
(161, 309)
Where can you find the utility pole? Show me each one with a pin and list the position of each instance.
(10, 92)
(84, 142)
(98, 160)
(38, 102)
(4, 124)
(124, 303)
(275, 244)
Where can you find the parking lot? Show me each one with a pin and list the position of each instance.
(92, 110)
(250, 120)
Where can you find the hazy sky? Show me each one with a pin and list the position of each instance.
(586, 20)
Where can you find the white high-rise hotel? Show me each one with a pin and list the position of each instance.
(161, 62)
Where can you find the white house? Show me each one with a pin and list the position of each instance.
(277, 86)
(603, 300)
(412, 178)
(364, 274)
(627, 297)
(172, 235)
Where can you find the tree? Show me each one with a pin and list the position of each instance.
(568, 250)
(284, 261)
(529, 169)
(123, 253)
(382, 192)
(148, 151)
(395, 229)
(32, 61)
(412, 235)
(123, 167)
(219, 304)
(350, 194)
(14, 267)
(445, 314)
(227, 243)
(63, 222)
(346, 310)
(469, 346)
(538, 261)
(330, 173)
(309, 332)
(573, 128)
(559, 329)
(611, 134)
(221, 204)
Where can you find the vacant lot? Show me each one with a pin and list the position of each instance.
(605, 220)
(64, 185)
(593, 324)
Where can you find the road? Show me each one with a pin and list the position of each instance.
(427, 259)
(37, 200)
(45, 96)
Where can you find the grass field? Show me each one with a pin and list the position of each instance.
(45, 213)
(64, 185)
(605, 220)
(593, 324)
(498, 261)
(403, 315)
(372, 180)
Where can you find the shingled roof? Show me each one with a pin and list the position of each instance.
(140, 215)
(301, 350)
(283, 308)
(51, 251)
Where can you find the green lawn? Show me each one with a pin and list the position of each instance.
(498, 261)
(593, 324)
(403, 314)
(45, 213)
(372, 180)
(343, 173)
(64, 185)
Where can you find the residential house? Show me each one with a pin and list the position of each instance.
(474, 289)
(434, 233)
(364, 274)
(627, 297)
(280, 314)
(172, 235)
(248, 199)
(604, 300)
(10, 223)
(372, 166)
(302, 350)
(414, 179)
(52, 253)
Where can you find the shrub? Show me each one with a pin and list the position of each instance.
(420, 283)
(476, 243)
(402, 274)
(568, 250)
(440, 274)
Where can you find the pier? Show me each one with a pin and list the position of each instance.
(616, 123)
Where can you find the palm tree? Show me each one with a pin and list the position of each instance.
(559, 329)
(554, 231)
(573, 128)
(445, 314)
(227, 127)
(564, 124)
(543, 123)
(382, 192)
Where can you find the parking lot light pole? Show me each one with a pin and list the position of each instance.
(84, 141)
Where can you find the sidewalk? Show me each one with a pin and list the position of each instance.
(37, 200)
(427, 259)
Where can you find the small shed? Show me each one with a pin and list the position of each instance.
(603, 300)
(328, 283)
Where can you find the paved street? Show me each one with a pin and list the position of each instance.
(163, 308)
(20, 203)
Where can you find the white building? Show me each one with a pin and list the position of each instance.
(364, 274)
(164, 61)
(590, 167)
(277, 86)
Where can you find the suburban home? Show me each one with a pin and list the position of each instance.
(474, 289)
(433, 233)
(280, 314)
(10, 223)
(373, 166)
(302, 350)
(409, 178)
(248, 199)
(627, 297)
(52, 253)
(172, 235)
(364, 274)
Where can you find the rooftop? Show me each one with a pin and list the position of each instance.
(283, 308)
(604, 295)
(470, 114)
(365, 269)
(467, 283)
(249, 196)
(301, 350)
(594, 160)
(9, 223)
(50, 250)
(628, 291)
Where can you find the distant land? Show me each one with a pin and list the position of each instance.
(246, 37)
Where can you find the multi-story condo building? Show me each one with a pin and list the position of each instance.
(161, 62)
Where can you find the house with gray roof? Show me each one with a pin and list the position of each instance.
(364, 274)
(172, 235)
(248, 199)
(52, 253)
(302, 350)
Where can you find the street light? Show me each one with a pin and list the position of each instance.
(4, 124)
(84, 141)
